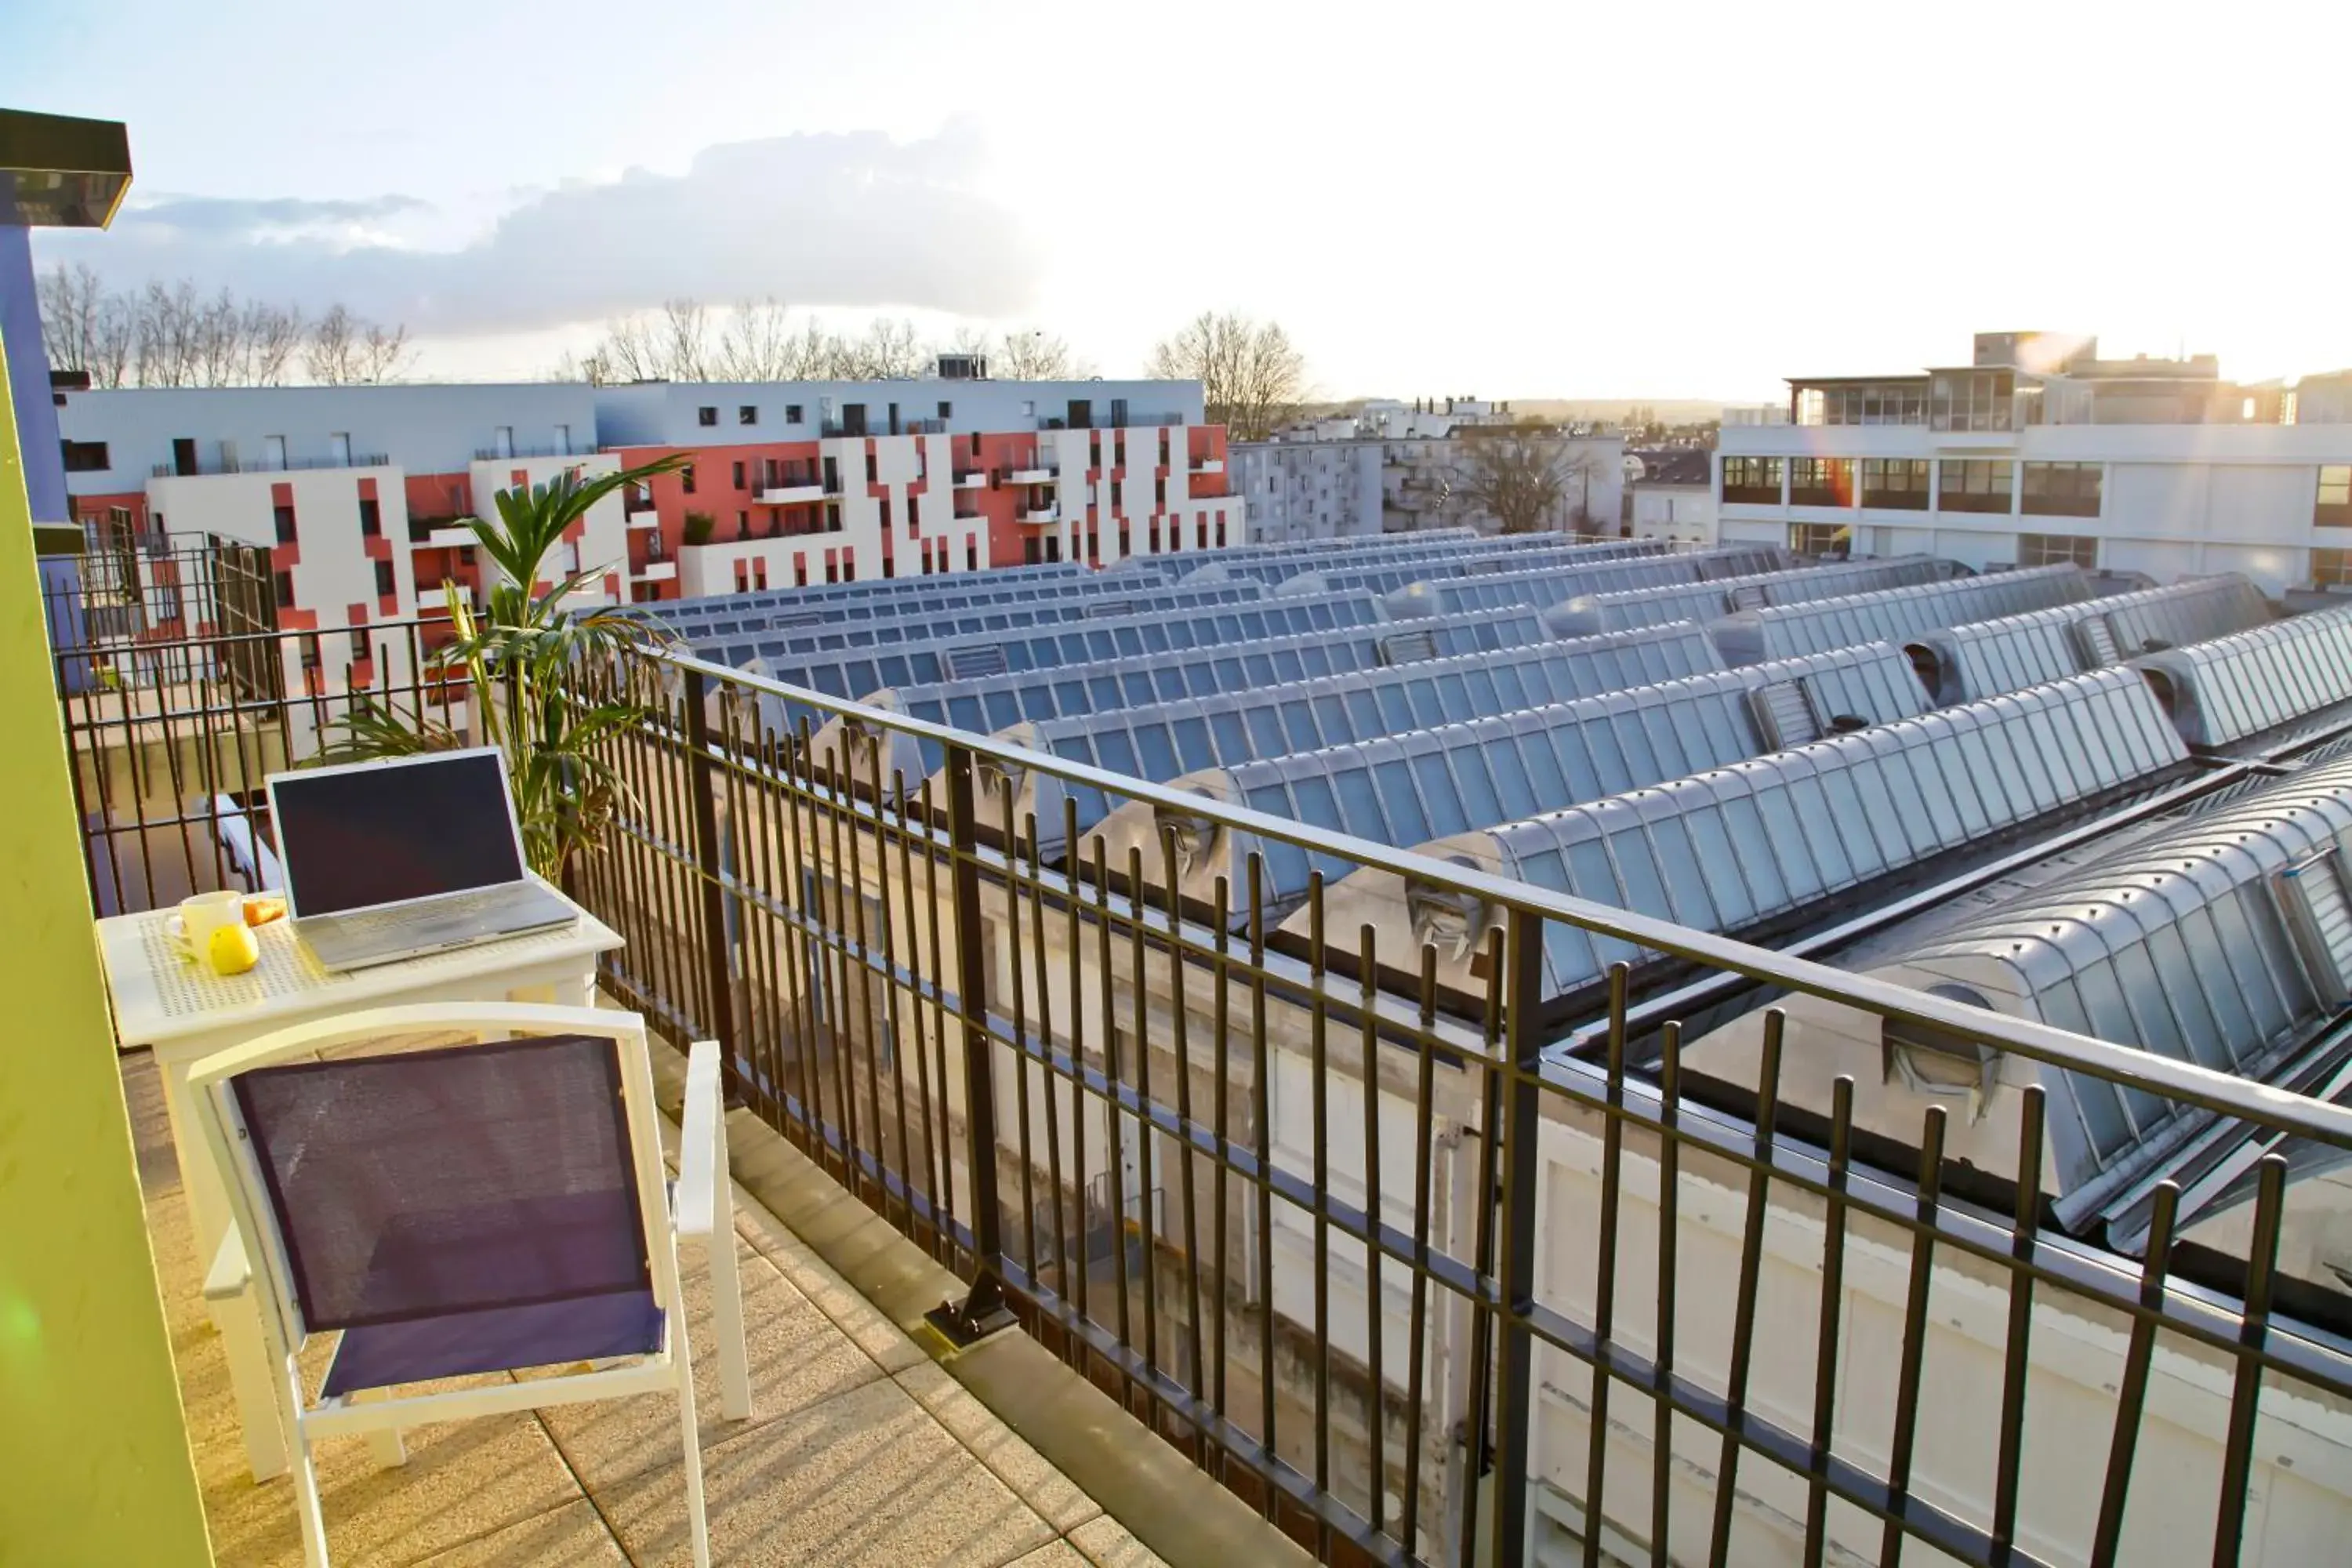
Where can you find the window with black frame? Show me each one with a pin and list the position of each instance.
(2061, 489)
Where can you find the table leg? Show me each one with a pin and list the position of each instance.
(200, 1181)
(238, 1320)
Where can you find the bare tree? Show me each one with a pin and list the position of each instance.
(1252, 377)
(86, 326)
(1033, 355)
(1516, 479)
(757, 343)
(273, 336)
(384, 353)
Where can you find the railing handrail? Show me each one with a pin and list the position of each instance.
(2262, 1103)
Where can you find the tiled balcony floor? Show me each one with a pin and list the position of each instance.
(860, 1448)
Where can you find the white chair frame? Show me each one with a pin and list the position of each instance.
(703, 1210)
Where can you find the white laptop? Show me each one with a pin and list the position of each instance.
(393, 859)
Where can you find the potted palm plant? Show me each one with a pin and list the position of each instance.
(523, 655)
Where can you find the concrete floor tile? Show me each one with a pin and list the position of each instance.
(1055, 1554)
(866, 1478)
(798, 1358)
(864, 1324)
(463, 1481)
(572, 1534)
(1107, 1544)
(1053, 1494)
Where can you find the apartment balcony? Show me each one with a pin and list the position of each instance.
(797, 492)
(1041, 514)
(1210, 466)
(972, 479)
(1872, 1332)
(439, 533)
(656, 571)
(648, 517)
(219, 465)
(1036, 474)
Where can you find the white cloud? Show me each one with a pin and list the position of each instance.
(850, 220)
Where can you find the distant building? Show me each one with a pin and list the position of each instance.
(1673, 497)
(1309, 488)
(355, 492)
(2039, 451)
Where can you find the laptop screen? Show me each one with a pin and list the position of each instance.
(356, 837)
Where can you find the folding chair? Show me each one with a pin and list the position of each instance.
(468, 1209)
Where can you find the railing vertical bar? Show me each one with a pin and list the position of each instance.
(1478, 1366)
(887, 809)
(2131, 1393)
(1180, 1048)
(1417, 1316)
(983, 1309)
(2246, 1392)
(1915, 1335)
(1375, 1311)
(1318, 1135)
(1522, 1171)
(1604, 1313)
(720, 1018)
(1662, 1429)
(1833, 1304)
(859, 965)
(1074, 857)
(1221, 1128)
(1019, 977)
(1051, 1105)
(1262, 1134)
(933, 853)
(1114, 1118)
(1146, 1168)
(1751, 1264)
(2024, 1232)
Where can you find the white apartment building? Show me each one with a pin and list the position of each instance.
(1307, 488)
(2038, 451)
(1673, 497)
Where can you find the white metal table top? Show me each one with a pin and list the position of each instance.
(159, 995)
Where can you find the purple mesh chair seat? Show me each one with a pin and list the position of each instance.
(500, 1339)
(464, 1210)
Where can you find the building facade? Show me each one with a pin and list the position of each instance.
(2039, 452)
(1351, 486)
(357, 494)
(1673, 497)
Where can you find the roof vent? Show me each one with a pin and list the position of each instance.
(1104, 609)
(1785, 715)
(1932, 1061)
(2097, 640)
(1408, 647)
(2311, 893)
(970, 663)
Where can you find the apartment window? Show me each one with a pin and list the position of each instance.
(743, 525)
(285, 515)
(86, 456)
(760, 572)
(1115, 495)
(1821, 538)
(1971, 399)
(743, 576)
(799, 571)
(1033, 552)
(2057, 550)
(832, 567)
(1093, 548)
(833, 517)
(2334, 508)
(1159, 491)
(971, 556)
(387, 584)
(371, 517)
(885, 515)
(947, 409)
(1974, 484)
(1756, 481)
(792, 413)
(749, 413)
(1124, 547)
(2061, 489)
(707, 415)
(686, 478)
(914, 513)
(2331, 568)
(285, 590)
(358, 647)
(1820, 481)
(739, 476)
(872, 469)
(1896, 483)
(1864, 403)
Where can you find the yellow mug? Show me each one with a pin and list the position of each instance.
(205, 913)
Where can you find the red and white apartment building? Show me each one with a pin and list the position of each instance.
(355, 492)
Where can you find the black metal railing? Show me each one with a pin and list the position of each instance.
(1326, 1197)
(234, 465)
(1395, 1318)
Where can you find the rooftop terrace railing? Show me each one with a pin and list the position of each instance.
(1384, 1257)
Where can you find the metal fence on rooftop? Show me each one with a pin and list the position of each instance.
(1368, 1244)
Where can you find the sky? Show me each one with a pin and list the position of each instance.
(1544, 199)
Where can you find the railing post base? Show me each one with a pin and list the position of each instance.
(981, 1313)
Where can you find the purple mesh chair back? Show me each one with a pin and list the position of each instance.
(429, 1184)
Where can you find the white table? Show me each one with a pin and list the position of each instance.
(184, 1011)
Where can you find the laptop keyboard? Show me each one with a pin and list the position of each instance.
(444, 912)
